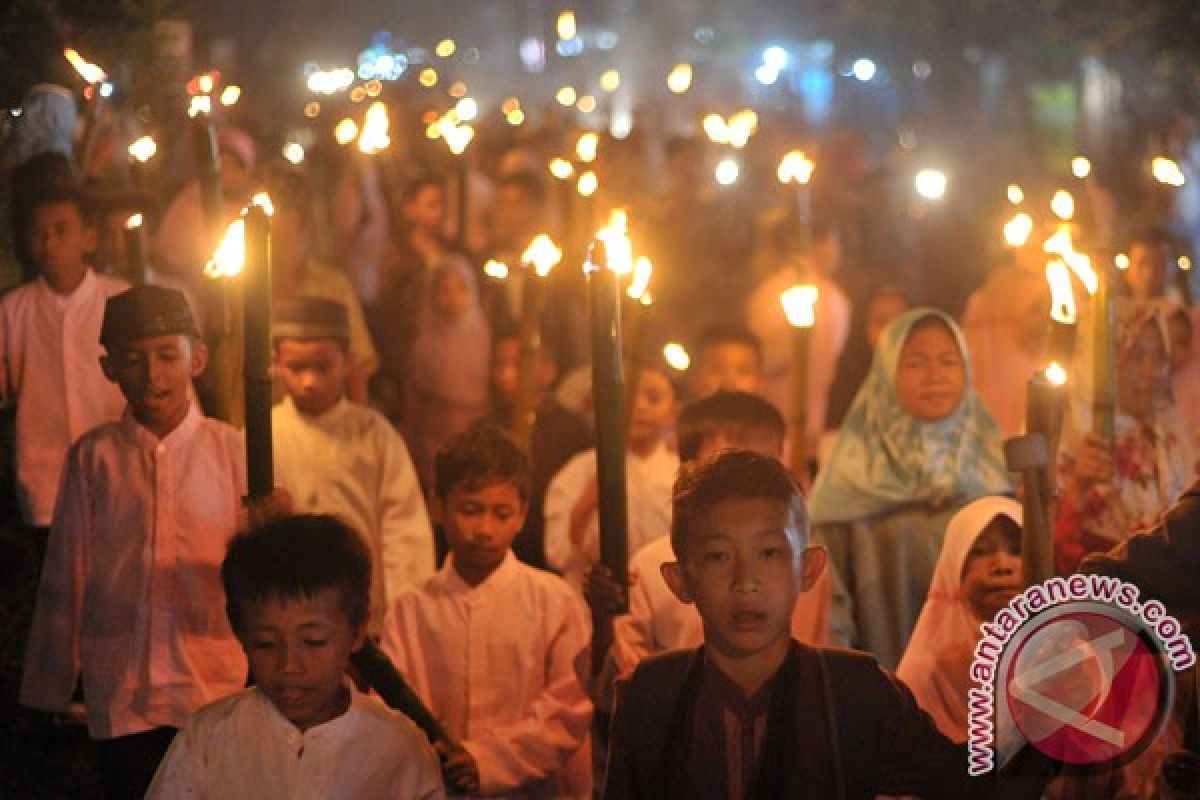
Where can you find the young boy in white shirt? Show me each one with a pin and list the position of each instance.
(335, 456)
(129, 594)
(495, 647)
(297, 593)
(50, 347)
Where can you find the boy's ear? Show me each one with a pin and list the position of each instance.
(199, 356)
(812, 564)
(672, 573)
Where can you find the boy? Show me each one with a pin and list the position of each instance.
(657, 622)
(335, 456)
(129, 593)
(557, 434)
(728, 356)
(297, 592)
(753, 713)
(493, 646)
(50, 346)
(572, 525)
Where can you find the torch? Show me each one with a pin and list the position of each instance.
(799, 304)
(208, 165)
(609, 258)
(98, 89)
(140, 151)
(539, 258)
(136, 265)
(640, 303)
(458, 137)
(796, 170)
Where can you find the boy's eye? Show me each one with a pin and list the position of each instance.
(772, 552)
(715, 557)
(316, 642)
(261, 644)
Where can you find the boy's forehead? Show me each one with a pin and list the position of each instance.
(155, 342)
(58, 209)
(324, 604)
(735, 517)
(487, 489)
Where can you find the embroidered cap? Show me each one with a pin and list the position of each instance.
(145, 311)
(308, 318)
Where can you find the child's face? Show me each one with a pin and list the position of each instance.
(298, 649)
(991, 575)
(930, 375)
(451, 296)
(653, 407)
(726, 365)
(480, 524)
(155, 375)
(59, 241)
(313, 372)
(1147, 273)
(743, 568)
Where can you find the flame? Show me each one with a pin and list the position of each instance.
(1018, 229)
(610, 80)
(263, 201)
(565, 26)
(87, 70)
(676, 356)
(374, 136)
(230, 95)
(642, 270)
(294, 152)
(200, 104)
(346, 131)
(799, 304)
(1167, 171)
(561, 168)
(586, 147)
(143, 149)
(1055, 374)
(679, 79)
(134, 222)
(1016, 195)
(588, 184)
(1061, 245)
(795, 167)
(742, 126)
(716, 129)
(466, 109)
(495, 269)
(1062, 298)
(229, 259)
(1081, 167)
(205, 82)
(617, 247)
(1063, 205)
(543, 254)
(1121, 261)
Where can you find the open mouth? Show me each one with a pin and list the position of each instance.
(748, 620)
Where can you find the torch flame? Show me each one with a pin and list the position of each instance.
(1062, 299)
(543, 254)
(586, 146)
(561, 168)
(588, 184)
(230, 95)
(134, 221)
(263, 201)
(374, 137)
(617, 247)
(1060, 244)
(642, 270)
(229, 259)
(87, 70)
(676, 356)
(799, 304)
(742, 126)
(679, 80)
(1063, 205)
(716, 129)
(1055, 374)
(495, 269)
(346, 131)
(200, 104)
(1018, 229)
(1081, 167)
(143, 149)
(1016, 195)
(796, 167)
(1167, 171)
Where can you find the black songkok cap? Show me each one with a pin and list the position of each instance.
(145, 311)
(308, 318)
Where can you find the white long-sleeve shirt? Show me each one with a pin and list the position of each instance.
(242, 747)
(649, 482)
(130, 592)
(499, 665)
(350, 462)
(50, 352)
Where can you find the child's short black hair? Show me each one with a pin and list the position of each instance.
(481, 456)
(734, 473)
(726, 411)
(297, 556)
(719, 333)
(68, 193)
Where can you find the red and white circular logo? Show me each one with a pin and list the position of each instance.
(1087, 685)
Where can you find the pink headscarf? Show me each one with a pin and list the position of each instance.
(936, 663)
(450, 359)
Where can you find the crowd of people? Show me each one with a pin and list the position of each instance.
(411, 516)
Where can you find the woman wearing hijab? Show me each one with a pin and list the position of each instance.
(916, 446)
(977, 574)
(447, 384)
(1110, 492)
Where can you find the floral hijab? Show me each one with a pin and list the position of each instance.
(885, 459)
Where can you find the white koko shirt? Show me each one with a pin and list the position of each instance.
(50, 353)
(350, 462)
(130, 592)
(242, 747)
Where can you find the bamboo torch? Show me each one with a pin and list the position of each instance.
(98, 89)
(140, 151)
(640, 304)
(795, 170)
(256, 366)
(799, 304)
(539, 258)
(208, 164)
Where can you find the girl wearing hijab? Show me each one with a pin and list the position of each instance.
(1109, 492)
(916, 446)
(977, 574)
(447, 384)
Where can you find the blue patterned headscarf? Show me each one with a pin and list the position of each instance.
(885, 459)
